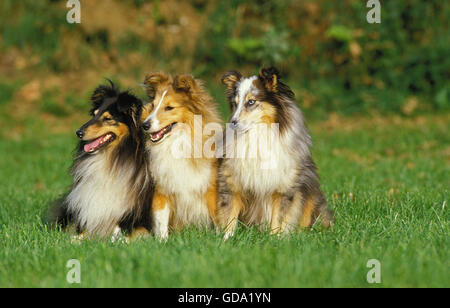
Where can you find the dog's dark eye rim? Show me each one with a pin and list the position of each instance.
(107, 119)
(168, 108)
(251, 102)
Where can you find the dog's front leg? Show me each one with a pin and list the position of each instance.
(160, 216)
(275, 222)
(229, 215)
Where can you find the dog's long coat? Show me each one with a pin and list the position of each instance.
(282, 196)
(112, 188)
(185, 186)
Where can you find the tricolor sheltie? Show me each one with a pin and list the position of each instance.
(112, 188)
(185, 178)
(286, 196)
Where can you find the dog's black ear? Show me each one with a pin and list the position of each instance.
(101, 93)
(152, 82)
(269, 77)
(130, 105)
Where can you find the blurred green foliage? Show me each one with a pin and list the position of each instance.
(330, 55)
(6, 92)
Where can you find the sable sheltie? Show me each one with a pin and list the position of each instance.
(185, 180)
(283, 197)
(112, 188)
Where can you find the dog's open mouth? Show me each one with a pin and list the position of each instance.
(98, 143)
(159, 135)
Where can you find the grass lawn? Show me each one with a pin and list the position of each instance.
(387, 180)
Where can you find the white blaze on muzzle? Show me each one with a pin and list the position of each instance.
(152, 116)
(245, 86)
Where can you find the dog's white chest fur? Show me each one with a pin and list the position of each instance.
(184, 180)
(259, 179)
(275, 172)
(100, 198)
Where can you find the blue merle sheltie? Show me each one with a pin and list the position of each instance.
(285, 196)
(112, 188)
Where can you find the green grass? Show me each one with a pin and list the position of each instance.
(388, 185)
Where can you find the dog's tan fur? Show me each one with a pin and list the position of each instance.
(186, 191)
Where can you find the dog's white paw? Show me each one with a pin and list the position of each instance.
(163, 237)
(227, 235)
(117, 236)
(76, 239)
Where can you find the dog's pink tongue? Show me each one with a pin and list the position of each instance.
(157, 135)
(94, 144)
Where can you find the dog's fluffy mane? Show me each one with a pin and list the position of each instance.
(294, 136)
(113, 187)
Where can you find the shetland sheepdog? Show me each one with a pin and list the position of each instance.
(282, 197)
(175, 124)
(112, 188)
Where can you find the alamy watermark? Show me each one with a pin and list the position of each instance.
(374, 14)
(259, 142)
(74, 14)
(74, 273)
(374, 274)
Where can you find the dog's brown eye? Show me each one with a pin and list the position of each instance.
(106, 119)
(168, 108)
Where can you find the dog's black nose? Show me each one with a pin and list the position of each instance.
(146, 125)
(234, 122)
(80, 133)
